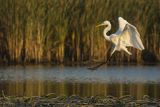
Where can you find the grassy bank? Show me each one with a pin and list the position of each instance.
(51, 100)
(53, 31)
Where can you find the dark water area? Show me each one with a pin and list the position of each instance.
(112, 80)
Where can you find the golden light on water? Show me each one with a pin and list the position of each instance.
(40, 88)
(114, 80)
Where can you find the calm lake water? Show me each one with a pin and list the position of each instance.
(112, 80)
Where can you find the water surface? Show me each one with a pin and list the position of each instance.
(112, 80)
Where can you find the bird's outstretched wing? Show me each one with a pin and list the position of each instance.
(129, 35)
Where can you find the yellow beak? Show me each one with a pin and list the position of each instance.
(101, 25)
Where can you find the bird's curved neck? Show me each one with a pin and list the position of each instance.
(108, 28)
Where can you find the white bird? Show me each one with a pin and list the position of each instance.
(126, 36)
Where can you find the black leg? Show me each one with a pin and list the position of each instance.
(105, 62)
(99, 65)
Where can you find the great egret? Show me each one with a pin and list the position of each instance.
(127, 35)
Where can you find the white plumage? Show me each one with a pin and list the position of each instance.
(127, 35)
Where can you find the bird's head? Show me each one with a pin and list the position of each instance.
(105, 23)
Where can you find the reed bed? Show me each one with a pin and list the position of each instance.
(62, 31)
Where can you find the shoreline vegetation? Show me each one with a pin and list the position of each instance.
(53, 31)
(52, 100)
